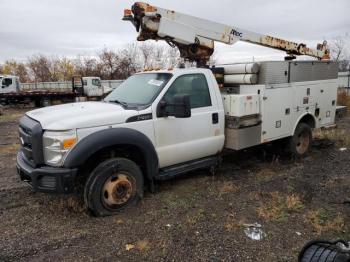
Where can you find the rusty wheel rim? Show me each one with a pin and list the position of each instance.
(117, 190)
(303, 143)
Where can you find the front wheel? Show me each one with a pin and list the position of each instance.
(113, 185)
(300, 142)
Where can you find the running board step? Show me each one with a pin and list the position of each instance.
(180, 169)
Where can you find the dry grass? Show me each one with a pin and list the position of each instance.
(227, 188)
(320, 222)
(9, 149)
(276, 207)
(193, 219)
(233, 223)
(340, 136)
(344, 99)
(293, 202)
(143, 245)
(120, 221)
(8, 116)
(266, 175)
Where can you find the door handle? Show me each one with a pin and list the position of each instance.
(215, 118)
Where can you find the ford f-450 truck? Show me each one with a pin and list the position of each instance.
(160, 124)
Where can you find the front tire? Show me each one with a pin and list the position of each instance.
(112, 186)
(300, 142)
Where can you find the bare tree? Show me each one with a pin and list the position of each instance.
(337, 46)
(12, 67)
(146, 50)
(88, 66)
(129, 63)
(159, 57)
(54, 67)
(340, 51)
(66, 69)
(109, 61)
(40, 66)
(173, 57)
(108, 64)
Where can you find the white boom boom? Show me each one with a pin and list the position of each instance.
(195, 37)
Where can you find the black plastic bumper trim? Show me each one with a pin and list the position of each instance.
(64, 177)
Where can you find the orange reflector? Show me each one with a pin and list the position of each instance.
(68, 143)
(127, 12)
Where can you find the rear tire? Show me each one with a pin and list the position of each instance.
(112, 186)
(300, 142)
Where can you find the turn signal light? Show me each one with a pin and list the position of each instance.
(68, 143)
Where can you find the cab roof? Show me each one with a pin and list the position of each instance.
(176, 71)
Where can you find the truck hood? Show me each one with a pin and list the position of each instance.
(80, 115)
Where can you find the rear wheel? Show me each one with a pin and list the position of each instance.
(300, 142)
(114, 185)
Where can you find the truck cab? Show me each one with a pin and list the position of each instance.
(9, 84)
(94, 88)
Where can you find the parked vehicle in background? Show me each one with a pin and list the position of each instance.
(42, 94)
(12, 92)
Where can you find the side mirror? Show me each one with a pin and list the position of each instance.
(180, 107)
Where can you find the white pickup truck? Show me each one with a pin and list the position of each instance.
(160, 124)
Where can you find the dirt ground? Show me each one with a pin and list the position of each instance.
(199, 217)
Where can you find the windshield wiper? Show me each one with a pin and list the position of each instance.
(124, 104)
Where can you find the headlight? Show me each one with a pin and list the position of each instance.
(57, 144)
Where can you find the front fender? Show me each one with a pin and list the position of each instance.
(95, 142)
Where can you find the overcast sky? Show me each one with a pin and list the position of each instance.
(69, 28)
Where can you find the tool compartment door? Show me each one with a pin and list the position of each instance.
(277, 110)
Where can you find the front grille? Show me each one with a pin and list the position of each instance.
(30, 134)
(25, 136)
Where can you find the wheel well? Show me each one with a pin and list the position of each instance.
(309, 120)
(130, 152)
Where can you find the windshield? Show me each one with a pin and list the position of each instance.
(140, 89)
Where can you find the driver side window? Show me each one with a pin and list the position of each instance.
(194, 85)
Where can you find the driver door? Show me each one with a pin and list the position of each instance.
(180, 140)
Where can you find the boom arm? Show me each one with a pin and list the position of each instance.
(195, 37)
